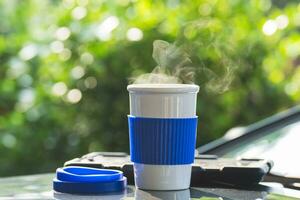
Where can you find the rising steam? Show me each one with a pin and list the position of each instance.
(174, 66)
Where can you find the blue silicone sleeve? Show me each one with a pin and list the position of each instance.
(162, 141)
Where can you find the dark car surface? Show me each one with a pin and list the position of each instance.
(275, 138)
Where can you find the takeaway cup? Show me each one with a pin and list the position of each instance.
(162, 133)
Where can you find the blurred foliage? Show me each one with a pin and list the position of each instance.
(65, 67)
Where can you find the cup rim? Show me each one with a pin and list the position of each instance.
(163, 88)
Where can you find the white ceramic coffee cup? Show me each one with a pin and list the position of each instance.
(163, 101)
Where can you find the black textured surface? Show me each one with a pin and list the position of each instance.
(207, 170)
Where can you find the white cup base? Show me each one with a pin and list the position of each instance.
(162, 177)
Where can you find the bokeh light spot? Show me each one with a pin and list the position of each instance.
(25, 80)
(65, 54)
(33, 114)
(293, 49)
(57, 46)
(59, 89)
(62, 33)
(77, 72)
(282, 21)
(291, 88)
(9, 140)
(79, 13)
(103, 31)
(28, 52)
(74, 96)
(26, 99)
(87, 58)
(16, 68)
(270, 27)
(134, 34)
(90, 82)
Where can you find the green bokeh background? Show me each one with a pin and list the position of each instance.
(64, 68)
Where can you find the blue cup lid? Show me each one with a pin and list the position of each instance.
(87, 180)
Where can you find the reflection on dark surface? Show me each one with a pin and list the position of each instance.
(114, 196)
(274, 146)
(40, 187)
(26, 187)
(166, 195)
(131, 194)
(227, 193)
(136, 194)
